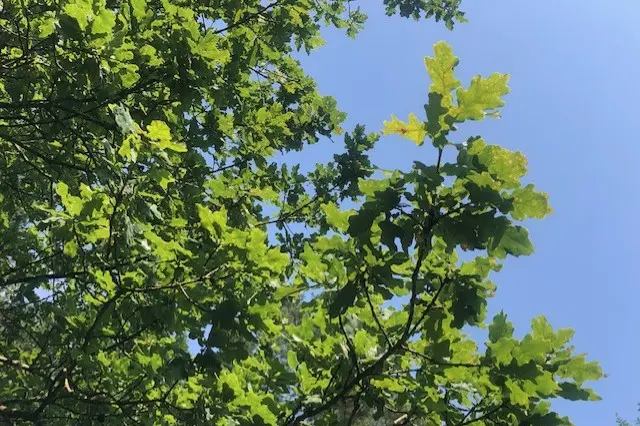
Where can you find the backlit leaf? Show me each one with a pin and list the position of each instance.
(414, 130)
(441, 70)
(483, 97)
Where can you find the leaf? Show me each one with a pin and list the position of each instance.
(546, 385)
(514, 241)
(361, 222)
(47, 27)
(152, 58)
(389, 385)
(528, 203)
(81, 11)
(440, 68)
(516, 395)
(276, 260)
(390, 231)
(159, 132)
(335, 217)
(503, 164)
(105, 281)
(439, 121)
(207, 48)
(415, 130)
(71, 248)
(228, 381)
(163, 177)
(573, 392)
(580, 370)
(286, 291)
(500, 328)
(364, 344)
(483, 96)
(103, 23)
(214, 222)
(542, 408)
(292, 359)
(530, 349)
(139, 8)
(345, 297)
(541, 329)
(124, 120)
(128, 148)
(73, 205)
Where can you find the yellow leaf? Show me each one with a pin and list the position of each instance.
(440, 68)
(414, 130)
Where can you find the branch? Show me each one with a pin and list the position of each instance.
(483, 416)
(352, 349)
(375, 316)
(422, 252)
(443, 363)
(247, 18)
(43, 157)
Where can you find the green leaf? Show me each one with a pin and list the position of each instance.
(286, 291)
(124, 120)
(528, 203)
(73, 205)
(580, 370)
(214, 222)
(516, 395)
(47, 27)
(573, 392)
(542, 408)
(389, 385)
(139, 8)
(103, 23)
(364, 344)
(441, 70)
(336, 218)
(503, 164)
(128, 149)
(483, 96)
(415, 130)
(514, 241)
(292, 359)
(500, 328)
(344, 299)
(228, 381)
(541, 329)
(71, 248)
(546, 385)
(361, 222)
(81, 11)
(163, 177)
(159, 132)
(530, 349)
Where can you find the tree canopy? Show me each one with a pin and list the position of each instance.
(143, 214)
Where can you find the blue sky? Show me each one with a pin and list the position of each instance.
(573, 111)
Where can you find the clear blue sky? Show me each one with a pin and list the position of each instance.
(574, 111)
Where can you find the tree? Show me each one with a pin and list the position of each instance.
(141, 207)
(622, 422)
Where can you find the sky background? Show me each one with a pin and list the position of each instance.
(573, 110)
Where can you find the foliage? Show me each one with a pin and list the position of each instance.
(141, 207)
(622, 422)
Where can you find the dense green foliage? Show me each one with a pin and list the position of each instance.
(141, 206)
